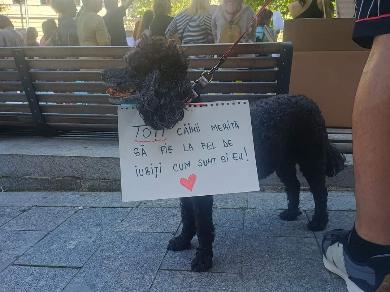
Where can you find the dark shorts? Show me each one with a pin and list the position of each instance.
(372, 19)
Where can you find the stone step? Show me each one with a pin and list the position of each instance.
(82, 164)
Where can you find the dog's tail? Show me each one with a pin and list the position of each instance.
(335, 161)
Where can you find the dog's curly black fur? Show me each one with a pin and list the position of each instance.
(287, 131)
(161, 85)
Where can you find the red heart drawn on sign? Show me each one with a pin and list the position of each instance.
(189, 182)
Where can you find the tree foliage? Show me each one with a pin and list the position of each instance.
(3, 6)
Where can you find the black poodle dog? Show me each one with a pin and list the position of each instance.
(287, 131)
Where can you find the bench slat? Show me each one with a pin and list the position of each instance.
(68, 51)
(66, 75)
(340, 130)
(237, 62)
(243, 75)
(81, 109)
(56, 86)
(241, 87)
(75, 98)
(340, 137)
(225, 75)
(57, 98)
(12, 97)
(9, 75)
(75, 64)
(344, 147)
(61, 121)
(231, 97)
(104, 98)
(11, 86)
(83, 126)
(253, 48)
(7, 64)
(99, 87)
(191, 50)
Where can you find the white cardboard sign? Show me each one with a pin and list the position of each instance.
(209, 152)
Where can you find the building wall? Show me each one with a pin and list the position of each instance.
(34, 13)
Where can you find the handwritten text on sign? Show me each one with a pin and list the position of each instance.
(209, 152)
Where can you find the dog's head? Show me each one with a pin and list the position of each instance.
(156, 77)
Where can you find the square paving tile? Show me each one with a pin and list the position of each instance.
(228, 218)
(6, 259)
(151, 220)
(124, 262)
(267, 200)
(22, 198)
(337, 220)
(285, 264)
(86, 199)
(15, 243)
(341, 201)
(20, 278)
(188, 281)
(268, 223)
(165, 203)
(9, 213)
(270, 201)
(73, 242)
(40, 218)
(235, 201)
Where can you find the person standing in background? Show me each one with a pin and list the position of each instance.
(8, 36)
(230, 20)
(31, 37)
(193, 25)
(91, 29)
(144, 26)
(137, 27)
(161, 20)
(114, 21)
(49, 28)
(263, 31)
(67, 30)
(277, 23)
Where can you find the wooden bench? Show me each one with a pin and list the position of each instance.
(60, 89)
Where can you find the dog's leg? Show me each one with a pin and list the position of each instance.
(288, 176)
(203, 209)
(183, 240)
(320, 194)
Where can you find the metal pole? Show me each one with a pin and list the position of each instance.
(27, 14)
(21, 13)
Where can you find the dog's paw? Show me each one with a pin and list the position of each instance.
(179, 243)
(317, 224)
(290, 215)
(202, 262)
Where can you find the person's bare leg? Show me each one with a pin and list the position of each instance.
(371, 145)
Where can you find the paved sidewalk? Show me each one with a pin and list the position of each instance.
(93, 242)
